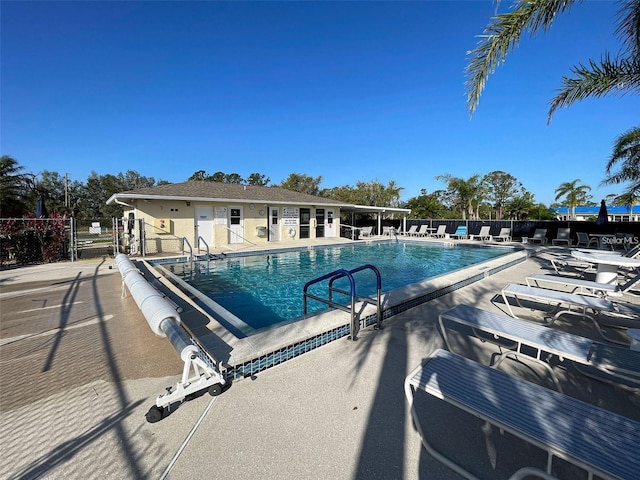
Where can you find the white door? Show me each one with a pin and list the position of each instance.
(330, 224)
(204, 227)
(236, 225)
(274, 224)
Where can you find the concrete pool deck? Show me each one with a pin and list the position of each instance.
(80, 368)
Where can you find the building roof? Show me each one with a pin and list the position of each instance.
(199, 190)
(593, 210)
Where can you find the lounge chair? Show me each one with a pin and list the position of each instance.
(615, 365)
(483, 234)
(423, 231)
(563, 236)
(460, 233)
(584, 287)
(440, 232)
(618, 314)
(540, 235)
(599, 441)
(566, 264)
(504, 235)
(412, 230)
(387, 231)
(586, 240)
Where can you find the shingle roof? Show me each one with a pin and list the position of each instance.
(204, 190)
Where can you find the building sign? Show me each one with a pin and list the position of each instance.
(290, 216)
(221, 216)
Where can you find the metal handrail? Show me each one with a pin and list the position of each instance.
(342, 273)
(200, 239)
(335, 275)
(359, 297)
(184, 240)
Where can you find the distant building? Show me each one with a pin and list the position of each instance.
(616, 213)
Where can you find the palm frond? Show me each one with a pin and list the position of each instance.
(617, 76)
(502, 35)
(629, 26)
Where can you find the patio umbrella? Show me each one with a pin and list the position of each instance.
(603, 216)
(41, 210)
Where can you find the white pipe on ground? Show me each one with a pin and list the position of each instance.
(155, 308)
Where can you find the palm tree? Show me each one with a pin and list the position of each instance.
(629, 200)
(574, 194)
(626, 150)
(12, 187)
(618, 75)
(466, 194)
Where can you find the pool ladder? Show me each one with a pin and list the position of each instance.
(342, 273)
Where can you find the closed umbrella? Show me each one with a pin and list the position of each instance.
(603, 216)
(41, 210)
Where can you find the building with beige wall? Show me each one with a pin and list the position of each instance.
(221, 215)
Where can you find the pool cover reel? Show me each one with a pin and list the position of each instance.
(164, 321)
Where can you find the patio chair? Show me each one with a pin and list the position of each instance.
(567, 265)
(584, 239)
(387, 231)
(504, 235)
(412, 230)
(483, 234)
(584, 287)
(615, 365)
(423, 232)
(366, 231)
(619, 315)
(440, 232)
(460, 233)
(563, 236)
(540, 235)
(599, 441)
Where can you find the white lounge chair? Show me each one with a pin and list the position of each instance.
(615, 365)
(504, 235)
(460, 233)
(540, 235)
(423, 231)
(618, 314)
(440, 232)
(483, 234)
(563, 236)
(584, 287)
(412, 230)
(599, 441)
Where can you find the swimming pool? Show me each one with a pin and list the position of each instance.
(266, 290)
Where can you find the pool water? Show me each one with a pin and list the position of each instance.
(265, 290)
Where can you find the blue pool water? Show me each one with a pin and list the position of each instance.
(265, 290)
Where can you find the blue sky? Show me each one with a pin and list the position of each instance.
(350, 91)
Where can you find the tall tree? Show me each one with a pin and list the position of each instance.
(12, 188)
(464, 195)
(426, 205)
(573, 193)
(302, 183)
(258, 179)
(501, 187)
